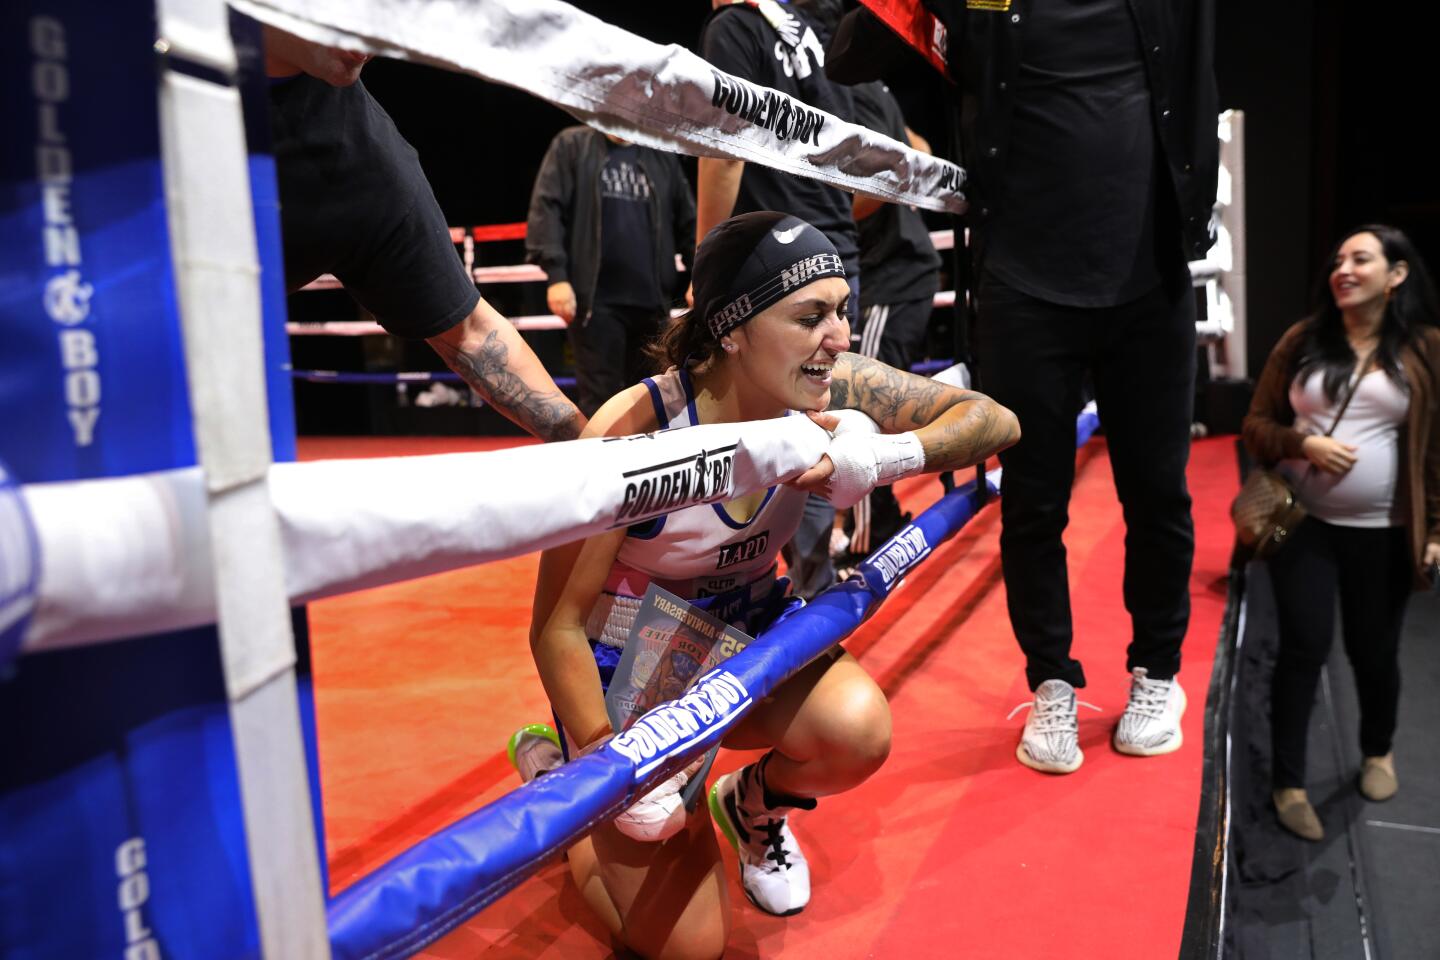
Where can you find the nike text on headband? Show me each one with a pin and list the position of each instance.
(777, 255)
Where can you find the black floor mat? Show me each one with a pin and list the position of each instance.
(1371, 888)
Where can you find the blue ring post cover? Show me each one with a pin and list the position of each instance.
(121, 828)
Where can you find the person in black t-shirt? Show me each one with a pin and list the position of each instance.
(901, 271)
(1088, 132)
(606, 221)
(899, 263)
(354, 202)
(781, 47)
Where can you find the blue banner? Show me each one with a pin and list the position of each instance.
(120, 829)
(92, 378)
(265, 194)
(121, 832)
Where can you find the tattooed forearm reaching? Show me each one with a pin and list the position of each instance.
(489, 353)
(957, 428)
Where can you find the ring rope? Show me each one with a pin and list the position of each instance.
(348, 525)
(664, 97)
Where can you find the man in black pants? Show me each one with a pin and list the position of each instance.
(606, 221)
(1089, 135)
(355, 203)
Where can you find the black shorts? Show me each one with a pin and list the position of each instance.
(354, 202)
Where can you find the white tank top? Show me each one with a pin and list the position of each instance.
(1364, 496)
(702, 550)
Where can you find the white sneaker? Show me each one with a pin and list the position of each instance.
(1051, 741)
(1150, 724)
(773, 871)
(534, 750)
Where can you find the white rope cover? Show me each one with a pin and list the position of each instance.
(130, 556)
(661, 96)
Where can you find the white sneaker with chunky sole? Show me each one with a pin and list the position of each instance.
(1050, 742)
(1150, 724)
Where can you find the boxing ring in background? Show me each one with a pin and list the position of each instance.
(1221, 278)
(234, 540)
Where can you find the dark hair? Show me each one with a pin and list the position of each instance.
(1411, 306)
(687, 341)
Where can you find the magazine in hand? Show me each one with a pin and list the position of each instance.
(671, 645)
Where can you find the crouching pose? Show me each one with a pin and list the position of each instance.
(766, 339)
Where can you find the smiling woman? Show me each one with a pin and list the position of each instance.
(1346, 405)
(766, 339)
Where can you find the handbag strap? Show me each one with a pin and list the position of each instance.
(1350, 393)
(1354, 384)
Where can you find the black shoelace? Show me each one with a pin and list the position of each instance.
(775, 842)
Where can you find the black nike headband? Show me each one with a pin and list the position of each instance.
(753, 261)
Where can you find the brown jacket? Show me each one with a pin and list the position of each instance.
(1270, 437)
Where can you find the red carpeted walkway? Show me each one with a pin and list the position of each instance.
(952, 850)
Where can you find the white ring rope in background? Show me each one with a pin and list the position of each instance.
(1211, 274)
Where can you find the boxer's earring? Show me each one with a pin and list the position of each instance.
(728, 345)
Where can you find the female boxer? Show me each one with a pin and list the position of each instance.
(767, 338)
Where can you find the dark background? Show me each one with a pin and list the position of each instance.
(1334, 94)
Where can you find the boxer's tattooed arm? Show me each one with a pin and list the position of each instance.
(968, 433)
(956, 427)
(485, 364)
(894, 399)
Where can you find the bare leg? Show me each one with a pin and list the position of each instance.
(830, 729)
(829, 726)
(665, 901)
(489, 353)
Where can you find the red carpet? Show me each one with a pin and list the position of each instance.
(952, 850)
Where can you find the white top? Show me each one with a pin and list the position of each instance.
(1365, 496)
(702, 550)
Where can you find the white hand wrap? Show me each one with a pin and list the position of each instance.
(852, 421)
(864, 461)
(658, 815)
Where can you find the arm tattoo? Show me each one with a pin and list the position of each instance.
(968, 439)
(964, 427)
(894, 399)
(548, 414)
